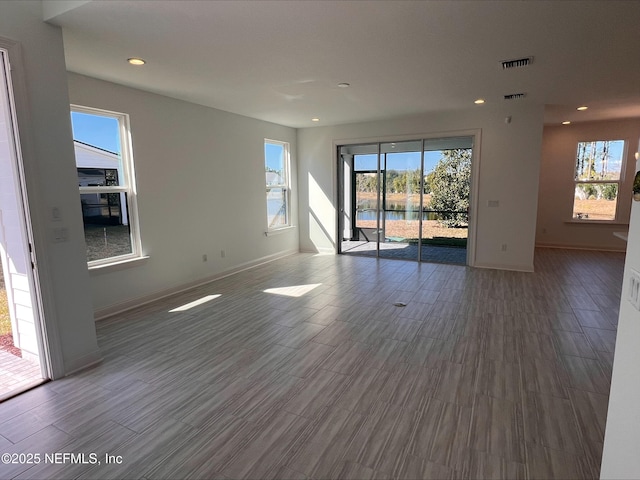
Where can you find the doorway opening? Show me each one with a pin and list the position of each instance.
(407, 199)
(23, 361)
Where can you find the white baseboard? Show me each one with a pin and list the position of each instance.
(322, 250)
(593, 248)
(115, 309)
(83, 362)
(498, 266)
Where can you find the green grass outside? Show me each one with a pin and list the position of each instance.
(5, 319)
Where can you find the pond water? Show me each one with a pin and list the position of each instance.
(396, 211)
(397, 215)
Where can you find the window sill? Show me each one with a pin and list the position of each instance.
(279, 231)
(117, 265)
(596, 222)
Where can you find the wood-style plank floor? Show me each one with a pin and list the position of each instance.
(305, 368)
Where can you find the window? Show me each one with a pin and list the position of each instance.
(276, 156)
(599, 164)
(106, 185)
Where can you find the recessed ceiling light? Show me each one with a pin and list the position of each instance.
(566, 122)
(315, 119)
(583, 107)
(344, 85)
(136, 61)
(479, 101)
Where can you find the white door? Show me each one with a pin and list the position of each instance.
(18, 264)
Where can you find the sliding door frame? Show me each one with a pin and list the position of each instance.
(338, 175)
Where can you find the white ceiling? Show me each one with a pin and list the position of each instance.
(281, 61)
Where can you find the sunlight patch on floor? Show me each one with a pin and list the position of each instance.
(293, 291)
(195, 303)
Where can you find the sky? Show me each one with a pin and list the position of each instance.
(96, 130)
(273, 156)
(400, 161)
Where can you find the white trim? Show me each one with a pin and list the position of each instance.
(106, 312)
(405, 137)
(278, 231)
(322, 251)
(591, 223)
(129, 188)
(286, 186)
(501, 266)
(118, 265)
(83, 362)
(619, 182)
(474, 200)
(591, 248)
(103, 190)
(622, 236)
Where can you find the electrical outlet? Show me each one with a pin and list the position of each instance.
(503, 248)
(204, 257)
(634, 289)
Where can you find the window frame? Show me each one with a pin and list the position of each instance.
(619, 182)
(286, 185)
(128, 188)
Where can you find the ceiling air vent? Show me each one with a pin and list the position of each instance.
(518, 62)
(515, 96)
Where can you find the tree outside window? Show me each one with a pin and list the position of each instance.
(597, 179)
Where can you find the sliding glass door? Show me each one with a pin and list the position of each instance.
(406, 199)
(446, 201)
(400, 173)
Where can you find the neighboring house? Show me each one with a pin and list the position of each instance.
(98, 168)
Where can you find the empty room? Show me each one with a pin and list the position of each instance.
(319, 239)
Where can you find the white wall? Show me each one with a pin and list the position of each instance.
(555, 203)
(201, 189)
(45, 131)
(509, 171)
(621, 454)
